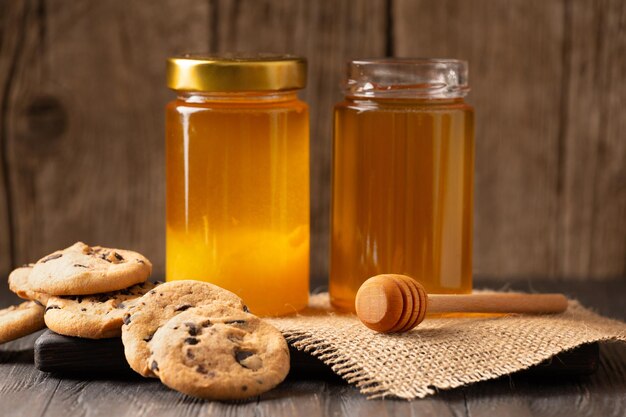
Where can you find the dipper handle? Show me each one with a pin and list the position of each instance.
(497, 303)
(397, 303)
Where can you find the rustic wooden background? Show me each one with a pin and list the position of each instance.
(82, 91)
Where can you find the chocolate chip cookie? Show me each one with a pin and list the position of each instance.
(219, 354)
(93, 316)
(159, 305)
(19, 283)
(82, 269)
(20, 320)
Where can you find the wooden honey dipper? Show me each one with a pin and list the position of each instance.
(392, 303)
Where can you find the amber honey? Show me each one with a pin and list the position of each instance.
(238, 195)
(402, 192)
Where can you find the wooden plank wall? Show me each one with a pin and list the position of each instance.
(81, 116)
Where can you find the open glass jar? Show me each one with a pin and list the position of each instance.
(237, 156)
(403, 169)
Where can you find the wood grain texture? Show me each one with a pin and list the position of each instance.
(593, 149)
(85, 132)
(550, 161)
(26, 392)
(328, 33)
(82, 90)
(514, 51)
(11, 21)
(601, 394)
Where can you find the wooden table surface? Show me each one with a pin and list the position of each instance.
(25, 391)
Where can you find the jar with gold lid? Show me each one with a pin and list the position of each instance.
(237, 159)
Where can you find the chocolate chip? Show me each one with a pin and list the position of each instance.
(191, 341)
(154, 366)
(190, 354)
(118, 256)
(51, 257)
(126, 319)
(105, 256)
(202, 370)
(152, 292)
(235, 322)
(52, 308)
(241, 355)
(193, 329)
(206, 323)
(80, 266)
(183, 307)
(83, 309)
(246, 309)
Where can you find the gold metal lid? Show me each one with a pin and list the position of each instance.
(236, 72)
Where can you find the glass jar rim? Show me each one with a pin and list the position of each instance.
(406, 78)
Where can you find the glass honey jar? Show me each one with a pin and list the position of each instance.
(237, 177)
(402, 183)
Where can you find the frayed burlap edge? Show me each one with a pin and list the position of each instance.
(442, 353)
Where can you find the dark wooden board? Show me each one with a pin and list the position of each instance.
(70, 355)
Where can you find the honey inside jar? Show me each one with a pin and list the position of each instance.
(238, 195)
(402, 199)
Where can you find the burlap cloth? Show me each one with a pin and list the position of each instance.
(441, 353)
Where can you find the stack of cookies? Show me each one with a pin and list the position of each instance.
(196, 337)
